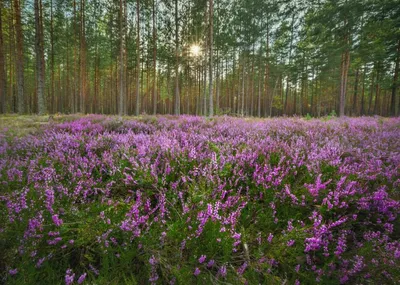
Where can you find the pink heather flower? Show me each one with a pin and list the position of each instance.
(242, 268)
(211, 263)
(290, 242)
(13, 271)
(196, 271)
(94, 270)
(297, 282)
(236, 236)
(40, 261)
(57, 221)
(222, 271)
(397, 254)
(297, 268)
(202, 258)
(270, 237)
(69, 277)
(82, 278)
(153, 260)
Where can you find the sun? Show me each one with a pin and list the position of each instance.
(195, 50)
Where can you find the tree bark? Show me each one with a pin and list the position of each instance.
(154, 58)
(53, 106)
(3, 74)
(137, 112)
(211, 62)
(40, 72)
(362, 109)
(395, 82)
(377, 88)
(20, 57)
(82, 59)
(177, 96)
(122, 85)
(355, 93)
(343, 80)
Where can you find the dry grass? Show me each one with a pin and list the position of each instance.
(20, 125)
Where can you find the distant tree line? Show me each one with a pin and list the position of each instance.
(258, 57)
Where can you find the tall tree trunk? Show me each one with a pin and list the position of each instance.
(259, 79)
(75, 92)
(362, 109)
(20, 57)
(344, 71)
(285, 109)
(52, 107)
(3, 74)
(177, 97)
(395, 82)
(154, 58)
(82, 59)
(267, 95)
(40, 72)
(377, 88)
(371, 95)
(343, 80)
(355, 92)
(243, 89)
(137, 112)
(122, 85)
(211, 61)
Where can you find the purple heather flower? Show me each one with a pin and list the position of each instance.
(82, 278)
(242, 268)
(69, 277)
(236, 236)
(290, 242)
(196, 271)
(13, 271)
(297, 268)
(397, 254)
(210, 263)
(202, 258)
(222, 271)
(57, 221)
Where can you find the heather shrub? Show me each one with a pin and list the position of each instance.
(178, 200)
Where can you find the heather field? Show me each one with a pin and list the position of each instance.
(190, 200)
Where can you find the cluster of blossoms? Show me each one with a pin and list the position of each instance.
(224, 197)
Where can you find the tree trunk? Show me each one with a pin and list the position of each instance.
(75, 63)
(371, 92)
(122, 95)
(177, 109)
(260, 75)
(40, 72)
(211, 62)
(154, 58)
(395, 82)
(355, 93)
(377, 88)
(362, 109)
(82, 59)
(343, 80)
(52, 107)
(137, 112)
(20, 57)
(3, 74)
